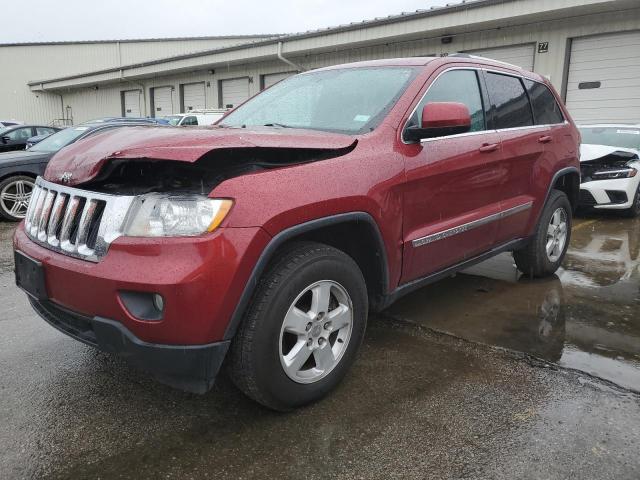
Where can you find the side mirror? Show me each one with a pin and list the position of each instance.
(5, 139)
(440, 119)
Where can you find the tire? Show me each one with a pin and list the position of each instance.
(15, 193)
(263, 347)
(534, 259)
(634, 210)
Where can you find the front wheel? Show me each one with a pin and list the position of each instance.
(545, 252)
(15, 193)
(303, 328)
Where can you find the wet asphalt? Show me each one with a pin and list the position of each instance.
(484, 375)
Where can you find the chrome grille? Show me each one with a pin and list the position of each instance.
(75, 222)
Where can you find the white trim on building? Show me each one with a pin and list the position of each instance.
(535, 34)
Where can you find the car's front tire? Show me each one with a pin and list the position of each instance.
(303, 328)
(544, 253)
(15, 193)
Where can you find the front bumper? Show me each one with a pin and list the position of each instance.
(617, 194)
(201, 280)
(192, 368)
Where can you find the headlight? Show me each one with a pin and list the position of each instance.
(160, 215)
(612, 174)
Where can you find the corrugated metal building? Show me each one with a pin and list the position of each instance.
(590, 49)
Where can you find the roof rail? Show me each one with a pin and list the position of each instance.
(470, 55)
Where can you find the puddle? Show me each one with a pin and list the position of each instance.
(586, 317)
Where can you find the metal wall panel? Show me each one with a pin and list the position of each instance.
(234, 92)
(131, 103)
(162, 101)
(520, 55)
(273, 78)
(604, 78)
(193, 96)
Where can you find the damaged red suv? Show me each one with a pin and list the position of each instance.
(263, 242)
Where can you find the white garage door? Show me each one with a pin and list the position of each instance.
(131, 103)
(162, 102)
(273, 78)
(604, 78)
(234, 92)
(193, 96)
(520, 55)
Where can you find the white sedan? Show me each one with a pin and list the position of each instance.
(610, 167)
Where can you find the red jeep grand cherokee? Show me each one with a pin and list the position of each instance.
(266, 239)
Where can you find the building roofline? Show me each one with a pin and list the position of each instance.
(432, 11)
(273, 41)
(141, 40)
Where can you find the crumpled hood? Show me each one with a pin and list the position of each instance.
(84, 159)
(590, 152)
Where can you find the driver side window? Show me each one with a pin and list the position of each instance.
(455, 86)
(20, 134)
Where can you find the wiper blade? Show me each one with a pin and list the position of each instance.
(281, 125)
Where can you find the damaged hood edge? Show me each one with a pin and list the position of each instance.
(83, 160)
(589, 152)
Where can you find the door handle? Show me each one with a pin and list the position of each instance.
(488, 147)
(545, 139)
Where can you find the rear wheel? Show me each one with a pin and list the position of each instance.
(303, 328)
(545, 252)
(15, 193)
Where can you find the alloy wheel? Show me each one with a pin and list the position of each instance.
(316, 331)
(556, 235)
(15, 196)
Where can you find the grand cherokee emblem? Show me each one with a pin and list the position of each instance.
(66, 177)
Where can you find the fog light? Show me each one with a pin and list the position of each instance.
(158, 302)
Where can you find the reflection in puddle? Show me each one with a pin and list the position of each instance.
(585, 318)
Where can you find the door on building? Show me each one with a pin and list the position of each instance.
(162, 101)
(273, 78)
(193, 96)
(131, 103)
(603, 85)
(520, 55)
(233, 92)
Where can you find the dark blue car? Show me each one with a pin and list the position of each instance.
(18, 170)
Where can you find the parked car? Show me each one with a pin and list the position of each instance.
(15, 137)
(267, 239)
(9, 123)
(196, 117)
(609, 164)
(38, 138)
(18, 170)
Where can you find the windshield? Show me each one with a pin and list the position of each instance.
(621, 136)
(352, 100)
(55, 142)
(173, 119)
(3, 129)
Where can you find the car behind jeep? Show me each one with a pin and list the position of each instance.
(264, 241)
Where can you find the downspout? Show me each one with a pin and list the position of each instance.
(62, 112)
(287, 61)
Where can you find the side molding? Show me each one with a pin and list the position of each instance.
(292, 232)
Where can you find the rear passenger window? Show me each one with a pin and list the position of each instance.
(455, 86)
(546, 110)
(510, 105)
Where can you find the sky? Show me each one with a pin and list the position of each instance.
(46, 20)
